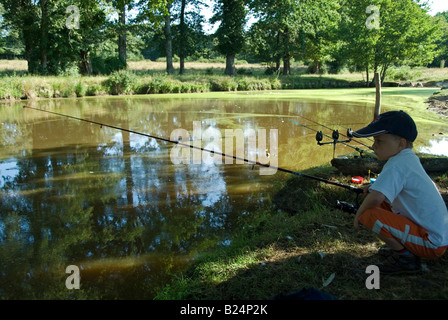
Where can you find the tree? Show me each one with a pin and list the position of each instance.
(22, 15)
(442, 45)
(230, 34)
(168, 40)
(187, 34)
(321, 39)
(52, 45)
(294, 25)
(122, 6)
(403, 34)
(10, 40)
(157, 13)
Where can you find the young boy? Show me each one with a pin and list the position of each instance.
(403, 205)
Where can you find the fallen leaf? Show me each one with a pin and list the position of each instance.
(329, 280)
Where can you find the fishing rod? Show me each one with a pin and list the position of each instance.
(334, 138)
(348, 187)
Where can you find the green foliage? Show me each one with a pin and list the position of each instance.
(230, 33)
(402, 73)
(405, 34)
(293, 29)
(441, 19)
(121, 82)
(10, 88)
(106, 65)
(331, 34)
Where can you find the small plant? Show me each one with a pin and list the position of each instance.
(80, 89)
(121, 82)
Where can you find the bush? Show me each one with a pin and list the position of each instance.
(45, 91)
(402, 73)
(121, 82)
(69, 90)
(249, 84)
(106, 65)
(80, 89)
(95, 89)
(224, 84)
(10, 88)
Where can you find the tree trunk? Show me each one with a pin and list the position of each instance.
(43, 36)
(182, 41)
(230, 65)
(367, 76)
(383, 73)
(315, 66)
(286, 64)
(86, 63)
(168, 44)
(378, 96)
(122, 34)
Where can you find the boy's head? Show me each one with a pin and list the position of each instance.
(393, 131)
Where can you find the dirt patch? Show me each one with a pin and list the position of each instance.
(438, 103)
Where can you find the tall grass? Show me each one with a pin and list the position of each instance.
(127, 83)
(202, 78)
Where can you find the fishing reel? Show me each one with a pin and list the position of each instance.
(347, 207)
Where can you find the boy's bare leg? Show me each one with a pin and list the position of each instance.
(392, 243)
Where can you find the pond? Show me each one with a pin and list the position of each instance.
(123, 206)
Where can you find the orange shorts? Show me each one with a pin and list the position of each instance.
(384, 222)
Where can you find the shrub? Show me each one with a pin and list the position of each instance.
(121, 82)
(69, 90)
(80, 89)
(11, 88)
(95, 89)
(107, 65)
(224, 84)
(276, 83)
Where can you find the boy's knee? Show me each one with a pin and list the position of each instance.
(369, 217)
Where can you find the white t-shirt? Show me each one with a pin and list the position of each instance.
(412, 193)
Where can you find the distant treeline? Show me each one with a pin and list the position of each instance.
(99, 36)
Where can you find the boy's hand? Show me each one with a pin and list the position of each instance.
(365, 190)
(356, 223)
(372, 200)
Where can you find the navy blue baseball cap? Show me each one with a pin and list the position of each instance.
(394, 122)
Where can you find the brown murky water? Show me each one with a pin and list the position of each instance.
(113, 203)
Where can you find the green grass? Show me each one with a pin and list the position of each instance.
(279, 252)
(147, 77)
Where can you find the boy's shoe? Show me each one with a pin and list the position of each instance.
(385, 252)
(401, 264)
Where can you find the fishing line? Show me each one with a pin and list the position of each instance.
(335, 140)
(320, 124)
(349, 187)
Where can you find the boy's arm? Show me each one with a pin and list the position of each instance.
(373, 199)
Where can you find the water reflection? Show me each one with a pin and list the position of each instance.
(112, 202)
(436, 147)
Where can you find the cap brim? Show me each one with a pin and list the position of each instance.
(368, 131)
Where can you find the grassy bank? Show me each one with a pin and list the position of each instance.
(278, 252)
(147, 77)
